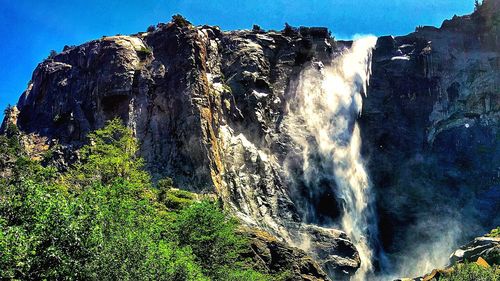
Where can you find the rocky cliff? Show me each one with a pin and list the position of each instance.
(430, 127)
(211, 110)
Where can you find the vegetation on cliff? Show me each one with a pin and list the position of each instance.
(495, 233)
(104, 220)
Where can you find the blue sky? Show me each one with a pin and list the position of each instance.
(29, 29)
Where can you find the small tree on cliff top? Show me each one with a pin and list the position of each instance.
(180, 20)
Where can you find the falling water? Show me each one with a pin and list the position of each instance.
(329, 102)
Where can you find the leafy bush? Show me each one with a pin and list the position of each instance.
(144, 52)
(163, 186)
(176, 199)
(211, 235)
(257, 28)
(180, 21)
(102, 220)
(52, 54)
(494, 232)
(289, 30)
(171, 197)
(472, 272)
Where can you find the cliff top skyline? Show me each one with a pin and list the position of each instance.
(33, 28)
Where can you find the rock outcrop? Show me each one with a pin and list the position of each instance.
(275, 257)
(487, 248)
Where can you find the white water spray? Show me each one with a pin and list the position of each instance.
(329, 102)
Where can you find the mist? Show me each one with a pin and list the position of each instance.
(322, 119)
(327, 102)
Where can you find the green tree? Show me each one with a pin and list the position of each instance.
(103, 220)
(180, 20)
(37, 228)
(110, 229)
(110, 155)
(212, 236)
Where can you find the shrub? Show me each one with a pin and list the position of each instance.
(165, 183)
(99, 221)
(128, 239)
(477, 5)
(37, 229)
(494, 232)
(471, 272)
(211, 236)
(257, 28)
(52, 54)
(144, 52)
(289, 30)
(105, 228)
(177, 199)
(180, 21)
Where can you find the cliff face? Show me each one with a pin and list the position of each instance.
(206, 106)
(430, 127)
(210, 110)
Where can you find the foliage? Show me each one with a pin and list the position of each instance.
(211, 236)
(176, 199)
(145, 51)
(471, 272)
(180, 20)
(111, 155)
(52, 54)
(163, 186)
(171, 197)
(289, 30)
(494, 232)
(257, 28)
(10, 146)
(103, 220)
(151, 28)
(477, 5)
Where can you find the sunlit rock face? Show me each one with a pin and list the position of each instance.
(207, 107)
(225, 112)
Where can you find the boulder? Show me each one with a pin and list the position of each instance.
(274, 257)
(334, 251)
(487, 248)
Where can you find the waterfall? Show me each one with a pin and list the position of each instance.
(328, 103)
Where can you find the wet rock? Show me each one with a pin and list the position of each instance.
(274, 257)
(334, 251)
(484, 251)
(487, 248)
